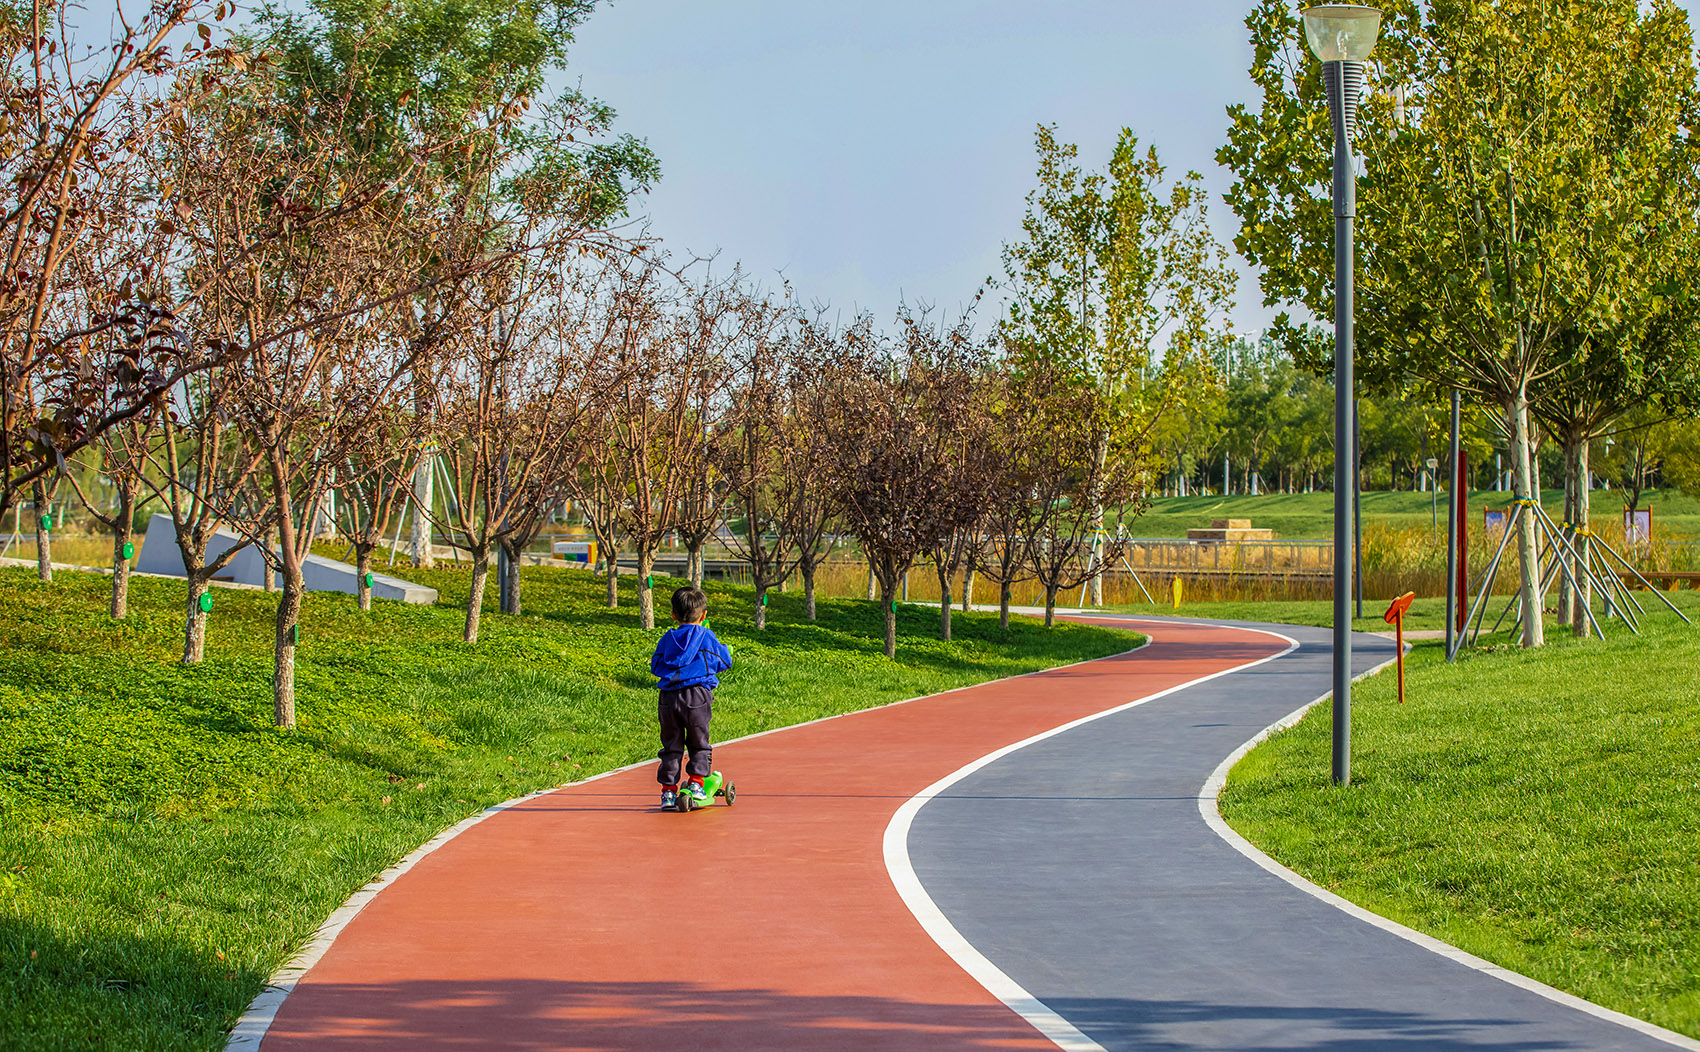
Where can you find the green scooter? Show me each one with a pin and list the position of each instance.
(714, 785)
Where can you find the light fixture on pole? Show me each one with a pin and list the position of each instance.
(1342, 37)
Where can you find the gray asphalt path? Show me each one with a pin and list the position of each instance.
(1082, 868)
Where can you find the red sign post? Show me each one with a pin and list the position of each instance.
(1395, 616)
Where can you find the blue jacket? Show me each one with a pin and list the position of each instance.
(689, 656)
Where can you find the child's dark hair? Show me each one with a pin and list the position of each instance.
(689, 604)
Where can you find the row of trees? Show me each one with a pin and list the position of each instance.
(1270, 421)
(225, 263)
(1528, 213)
(340, 253)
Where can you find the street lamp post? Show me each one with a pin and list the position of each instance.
(1342, 37)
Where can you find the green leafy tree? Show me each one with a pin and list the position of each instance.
(1518, 186)
(1117, 280)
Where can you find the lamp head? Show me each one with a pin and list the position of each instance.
(1342, 32)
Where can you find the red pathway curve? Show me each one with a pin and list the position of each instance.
(586, 919)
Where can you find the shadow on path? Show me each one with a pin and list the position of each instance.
(1131, 1023)
(531, 1015)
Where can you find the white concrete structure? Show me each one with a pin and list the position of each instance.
(161, 555)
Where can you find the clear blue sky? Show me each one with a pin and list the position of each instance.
(882, 149)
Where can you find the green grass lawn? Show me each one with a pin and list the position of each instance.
(1539, 809)
(1310, 516)
(163, 848)
(1424, 614)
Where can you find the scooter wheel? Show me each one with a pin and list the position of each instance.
(731, 793)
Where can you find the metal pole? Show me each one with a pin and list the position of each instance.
(1343, 80)
(1452, 541)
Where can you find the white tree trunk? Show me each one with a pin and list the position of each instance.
(423, 486)
(1534, 633)
(324, 518)
(1584, 591)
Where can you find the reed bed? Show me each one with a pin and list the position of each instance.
(1396, 560)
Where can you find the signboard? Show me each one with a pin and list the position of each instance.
(1638, 527)
(576, 552)
(1493, 521)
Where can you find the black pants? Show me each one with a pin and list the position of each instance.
(684, 718)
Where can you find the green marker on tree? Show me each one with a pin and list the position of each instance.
(368, 580)
(129, 550)
(294, 634)
(47, 520)
(206, 602)
(649, 582)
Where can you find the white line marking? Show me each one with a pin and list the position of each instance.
(1208, 798)
(262, 1011)
(1054, 1027)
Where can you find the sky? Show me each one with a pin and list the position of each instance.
(881, 151)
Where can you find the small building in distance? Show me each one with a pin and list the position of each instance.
(1230, 530)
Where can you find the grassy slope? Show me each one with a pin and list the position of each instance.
(1302, 516)
(163, 849)
(1425, 614)
(1538, 809)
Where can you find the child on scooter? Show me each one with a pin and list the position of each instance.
(687, 661)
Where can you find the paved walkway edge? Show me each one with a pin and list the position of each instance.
(251, 1027)
(1208, 799)
(897, 863)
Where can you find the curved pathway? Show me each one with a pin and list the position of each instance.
(1086, 888)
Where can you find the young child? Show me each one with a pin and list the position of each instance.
(687, 660)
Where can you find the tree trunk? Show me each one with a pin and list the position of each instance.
(362, 567)
(646, 590)
(268, 576)
(693, 564)
(808, 570)
(1584, 594)
(423, 484)
(1566, 596)
(324, 517)
(475, 602)
(1100, 454)
(870, 581)
(1050, 605)
(195, 625)
(123, 533)
(283, 657)
(761, 605)
(510, 597)
(1534, 631)
(888, 605)
(968, 588)
(43, 534)
(944, 576)
(612, 561)
(1004, 589)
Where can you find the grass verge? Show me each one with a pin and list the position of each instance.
(1425, 614)
(163, 848)
(1536, 808)
(1298, 515)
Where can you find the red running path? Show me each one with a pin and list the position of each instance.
(587, 919)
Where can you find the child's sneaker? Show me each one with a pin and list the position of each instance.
(695, 794)
(669, 799)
